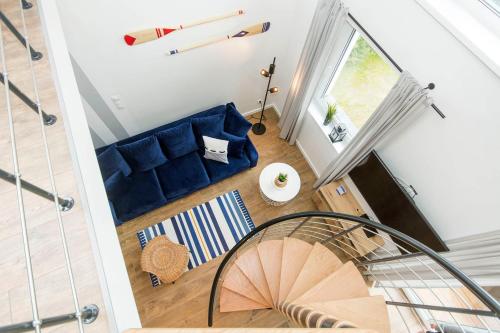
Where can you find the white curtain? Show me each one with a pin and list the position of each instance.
(406, 98)
(328, 19)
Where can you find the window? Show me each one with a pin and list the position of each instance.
(493, 5)
(358, 84)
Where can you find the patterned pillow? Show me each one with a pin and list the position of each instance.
(216, 149)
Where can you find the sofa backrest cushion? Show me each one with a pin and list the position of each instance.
(144, 154)
(111, 161)
(235, 123)
(211, 126)
(236, 143)
(178, 141)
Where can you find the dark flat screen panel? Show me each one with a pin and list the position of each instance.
(392, 204)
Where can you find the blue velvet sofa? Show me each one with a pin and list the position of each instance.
(151, 169)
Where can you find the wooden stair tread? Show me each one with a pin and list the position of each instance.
(364, 312)
(295, 253)
(250, 265)
(237, 282)
(320, 263)
(231, 302)
(270, 254)
(346, 282)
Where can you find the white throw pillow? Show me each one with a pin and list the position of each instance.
(216, 149)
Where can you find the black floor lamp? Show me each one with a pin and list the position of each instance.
(259, 128)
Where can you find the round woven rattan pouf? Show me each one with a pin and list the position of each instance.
(165, 259)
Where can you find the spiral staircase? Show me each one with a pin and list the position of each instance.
(307, 283)
(332, 270)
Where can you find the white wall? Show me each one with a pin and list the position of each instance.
(453, 163)
(156, 89)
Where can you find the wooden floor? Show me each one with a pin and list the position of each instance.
(51, 281)
(185, 303)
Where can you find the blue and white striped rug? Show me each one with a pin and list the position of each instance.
(208, 230)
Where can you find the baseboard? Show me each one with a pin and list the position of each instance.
(306, 157)
(270, 106)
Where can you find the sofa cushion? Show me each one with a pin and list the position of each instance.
(144, 154)
(235, 123)
(208, 126)
(182, 175)
(218, 171)
(236, 144)
(178, 141)
(111, 161)
(134, 195)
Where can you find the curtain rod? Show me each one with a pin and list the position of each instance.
(430, 86)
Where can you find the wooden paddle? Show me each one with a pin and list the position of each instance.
(147, 35)
(249, 31)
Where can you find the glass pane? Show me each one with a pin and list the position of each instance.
(493, 4)
(363, 82)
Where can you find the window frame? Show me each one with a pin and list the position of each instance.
(336, 63)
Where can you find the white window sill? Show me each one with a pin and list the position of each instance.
(468, 29)
(315, 111)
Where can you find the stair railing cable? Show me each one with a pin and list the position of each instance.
(20, 202)
(369, 226)
(50, 170)
(440, 277)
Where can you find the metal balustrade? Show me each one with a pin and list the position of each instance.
(82, 315)
(389, 267)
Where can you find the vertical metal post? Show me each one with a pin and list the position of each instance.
(35, 55)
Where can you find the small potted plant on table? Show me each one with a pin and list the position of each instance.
(281, 180)
(332, 109)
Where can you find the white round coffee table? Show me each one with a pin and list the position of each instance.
(274, 195)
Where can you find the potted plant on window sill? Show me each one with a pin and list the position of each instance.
(281, 180)
(330, 113)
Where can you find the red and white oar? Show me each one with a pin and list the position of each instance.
(147, 35)
(249, 31)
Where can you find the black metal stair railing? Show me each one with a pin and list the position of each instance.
(390, 266)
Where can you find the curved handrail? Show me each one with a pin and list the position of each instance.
(477, 290)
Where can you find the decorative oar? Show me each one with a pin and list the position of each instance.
(148, 35)
(249, 31)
